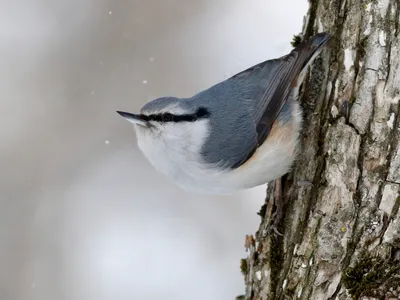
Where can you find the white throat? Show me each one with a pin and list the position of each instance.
(174, 150)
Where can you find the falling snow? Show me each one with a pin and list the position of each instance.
(106, 142)
(144, 81)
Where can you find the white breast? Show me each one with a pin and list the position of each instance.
(174, 152)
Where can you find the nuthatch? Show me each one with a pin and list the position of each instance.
(238, 134)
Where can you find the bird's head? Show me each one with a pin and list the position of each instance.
(169, 119)
(161, 113)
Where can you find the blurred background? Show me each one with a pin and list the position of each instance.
(82, 214)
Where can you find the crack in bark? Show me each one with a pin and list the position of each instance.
(392, 182)
(395, 140)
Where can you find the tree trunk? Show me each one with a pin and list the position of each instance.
(341, 225)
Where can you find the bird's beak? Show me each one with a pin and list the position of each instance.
(133, 118)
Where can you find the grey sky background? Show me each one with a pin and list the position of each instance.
(82, 214)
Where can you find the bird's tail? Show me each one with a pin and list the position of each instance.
(307, 51)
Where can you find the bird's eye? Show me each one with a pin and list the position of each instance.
(167, 117)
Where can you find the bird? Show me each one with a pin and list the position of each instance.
(240, 133)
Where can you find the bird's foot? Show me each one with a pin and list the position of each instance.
(276, 217)
(273, 227)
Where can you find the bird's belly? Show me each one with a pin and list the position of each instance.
(268, 163)
(272, 160)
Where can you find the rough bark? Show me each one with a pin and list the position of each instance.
(341, 228)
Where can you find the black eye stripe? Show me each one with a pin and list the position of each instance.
(201, 113)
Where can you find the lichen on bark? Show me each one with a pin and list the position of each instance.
(349, 214)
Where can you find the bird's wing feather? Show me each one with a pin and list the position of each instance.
(273, 81)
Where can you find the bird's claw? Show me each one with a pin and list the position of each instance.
(277, 215)
(276, 231)
(273, 227)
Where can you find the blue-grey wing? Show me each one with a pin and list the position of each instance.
(273, 81)
(236, 107)
(232, 130)
(244, 107)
